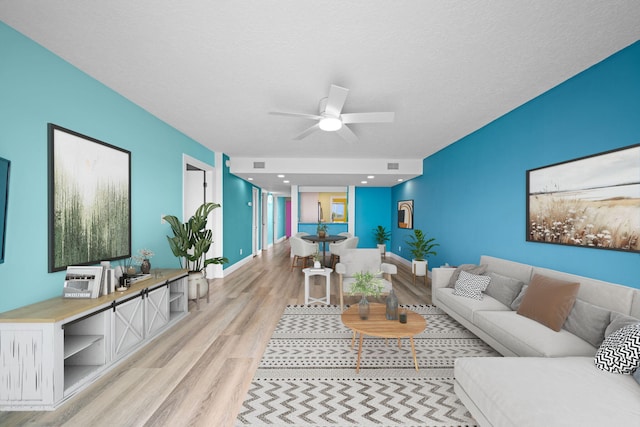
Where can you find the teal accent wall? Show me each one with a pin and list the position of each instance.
(38, 87)
(269, 219)
(472, 198)
(237, 215)
(373, 208)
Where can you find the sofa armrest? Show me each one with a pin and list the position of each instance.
(440, 277)
(388, 268)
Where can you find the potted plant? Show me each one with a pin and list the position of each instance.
(190, 242)
(321, 230)
(420, 248)
(317, 260)
(366, 284)
(382, 236)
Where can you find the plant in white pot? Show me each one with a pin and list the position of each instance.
(190, 243)
(382, 236)
(420, 248)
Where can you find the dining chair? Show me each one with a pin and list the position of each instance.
(301, 250)
(337, 248)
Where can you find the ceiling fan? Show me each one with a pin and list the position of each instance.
(331, 119)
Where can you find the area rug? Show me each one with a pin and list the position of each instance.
(307, 375)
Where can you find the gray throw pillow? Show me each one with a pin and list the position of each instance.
(618, 321)
(504, 289)
(515, 305)
(469, 268)
(588, 322)
(636, 374)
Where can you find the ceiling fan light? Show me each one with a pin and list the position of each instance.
(330, 124)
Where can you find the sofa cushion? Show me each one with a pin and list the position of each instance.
(515, 305)
(466, 307)
(526, 337)
(469, 268)
(549, 301)
(618, 321)
(588, 321)
(620, 351)
(470, 285)
(504, 289)
(534, 392)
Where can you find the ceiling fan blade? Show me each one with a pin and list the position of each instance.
(308, 132)
(347, 134)
(335, 102)
(368, 117)
(299, 115)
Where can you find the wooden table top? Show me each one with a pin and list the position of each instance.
(377, 324)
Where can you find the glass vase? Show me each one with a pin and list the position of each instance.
(392, 306)
(363, 308)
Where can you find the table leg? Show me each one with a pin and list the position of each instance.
(306, 289)
(324, 253)
(359, 353)
(328, 286)
(413, 350)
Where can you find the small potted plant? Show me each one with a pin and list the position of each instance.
(366, 284)
(322, 230)
(420, 248)
(142, 259)
(382, 236)
(190, 242)
(317, 260)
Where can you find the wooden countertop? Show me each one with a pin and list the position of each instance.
(57, 309)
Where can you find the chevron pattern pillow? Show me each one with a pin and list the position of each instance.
(471, 285)
(620, 351)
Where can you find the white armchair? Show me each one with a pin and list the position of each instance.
(301, 250)
(336, 249)
(362, 260)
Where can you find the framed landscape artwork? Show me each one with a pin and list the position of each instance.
(89, 200)
(405, 214)
(591, 202)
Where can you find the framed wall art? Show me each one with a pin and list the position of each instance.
(591, 202)
(89, 200)
(405, 214)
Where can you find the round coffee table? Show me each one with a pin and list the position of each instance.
(377, 325)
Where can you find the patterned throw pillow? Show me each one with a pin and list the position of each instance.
(620, 351)
(471, 285)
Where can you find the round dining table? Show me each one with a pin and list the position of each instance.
(327, 238)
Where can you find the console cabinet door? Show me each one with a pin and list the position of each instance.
(156, 309)
(127, 326)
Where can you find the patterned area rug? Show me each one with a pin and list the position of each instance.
(307, 375)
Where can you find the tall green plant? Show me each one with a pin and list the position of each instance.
(191, 240)
(419, 246)
(381, 234)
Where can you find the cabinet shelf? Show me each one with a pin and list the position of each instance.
(73, 374)
(76, 343)
(175, 296)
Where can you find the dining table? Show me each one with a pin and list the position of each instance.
(331, 238)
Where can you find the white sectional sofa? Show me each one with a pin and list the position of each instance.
(547, 378)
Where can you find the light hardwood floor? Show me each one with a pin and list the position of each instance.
(197, 373)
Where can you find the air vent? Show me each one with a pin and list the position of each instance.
(393, 166)
(258, 165)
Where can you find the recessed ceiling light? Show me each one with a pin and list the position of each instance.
(250, 179)
(286, 181)
(363, 182)
(400, 179)
(371, 177)
(280, 176)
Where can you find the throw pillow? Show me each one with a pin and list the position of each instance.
(515, 305)
(620, 351)
(588, 321)
(469, 268)
(548, 301)
(618, 321)
(470, 285)
(504, 289)
(636, 374)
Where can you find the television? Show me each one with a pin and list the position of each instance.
(5, 166)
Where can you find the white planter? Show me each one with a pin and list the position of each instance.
(419, 268)
(198, 285)
(316, 264)
(383, 248)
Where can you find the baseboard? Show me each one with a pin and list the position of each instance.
(238, 265)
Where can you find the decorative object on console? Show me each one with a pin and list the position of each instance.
(420, 248)
(405, 214)
(190, 243)
(87, 178)
(143, 259)
(83, 282)
(591, 202)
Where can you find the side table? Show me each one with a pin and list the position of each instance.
(326, 272)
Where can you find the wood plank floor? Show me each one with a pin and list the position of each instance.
(197, 373)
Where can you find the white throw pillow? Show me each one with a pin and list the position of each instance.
(620, 351)
(471, 285)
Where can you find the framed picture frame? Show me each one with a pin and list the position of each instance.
(89, 200)
(591, 202)
(405, 214)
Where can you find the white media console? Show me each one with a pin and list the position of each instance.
(51, 350)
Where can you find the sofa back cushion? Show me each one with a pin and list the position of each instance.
(548, 301)
(504, 289)
(588, 321)
(508, 268)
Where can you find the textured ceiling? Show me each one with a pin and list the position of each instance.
(214, 69)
